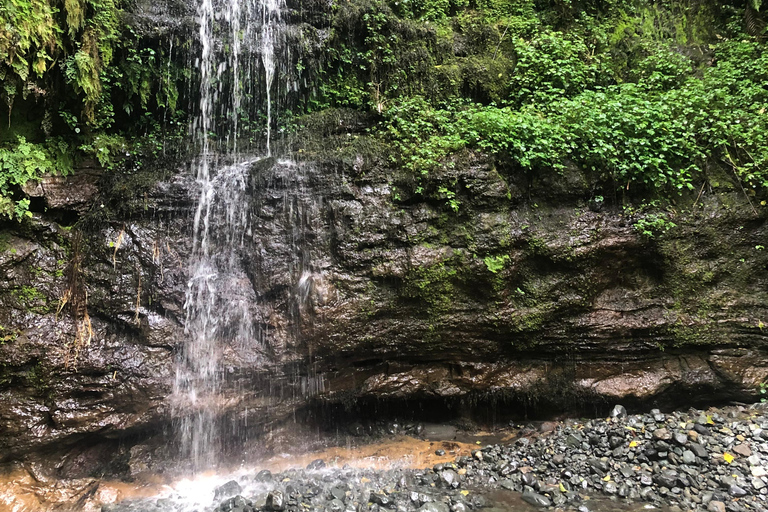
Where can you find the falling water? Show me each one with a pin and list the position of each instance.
(216, 305)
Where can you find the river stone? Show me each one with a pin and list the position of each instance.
(688, 457)
(316, 465)
(227, 490)
(736, 491)
(449, 478)
(699, 450)
(336, 505)
(459, 506)
(264, 475)
(275, 501)
(667, 478)
(742, 449)
(716, 506)
(380, 498)
(434, 506)
(618, 411)
(536, 499)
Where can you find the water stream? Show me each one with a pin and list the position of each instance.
(217, 301)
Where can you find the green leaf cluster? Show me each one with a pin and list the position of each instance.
(25, 162)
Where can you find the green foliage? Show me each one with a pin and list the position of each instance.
(654, 224)
(35, 34)
(552, 64)
(657, 134)
(23, 162)
(496, 264)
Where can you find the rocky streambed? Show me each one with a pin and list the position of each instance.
(714, 460)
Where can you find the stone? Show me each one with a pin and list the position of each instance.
(688, 457)
(227, 490)
(737, 491)
(449, 478)
(434, 506)
(662, 433)
(379, 498)
(536, 499)
(264, 475)
(716, 506)
(316, 465)
(742, 449)
(699, 451)
(618, 411)
(275, 501)
(667, 478)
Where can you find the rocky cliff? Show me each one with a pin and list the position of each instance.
(525, 297)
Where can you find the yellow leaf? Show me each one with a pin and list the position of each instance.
(464, 493)
(477, 442)
(286, 480)
(562, 488)
(633, 429)
(709, 420)
(728, 457)
(633, 444)
(365, 480)
(607, 478)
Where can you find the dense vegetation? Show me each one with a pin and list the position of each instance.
(647, 98)
(71, 75)
(653, 98)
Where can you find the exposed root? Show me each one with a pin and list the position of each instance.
(76, 298)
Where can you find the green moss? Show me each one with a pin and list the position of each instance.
(38, 378)
(435, 285)
(31, 299)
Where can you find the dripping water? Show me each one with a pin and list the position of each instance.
(218, 295)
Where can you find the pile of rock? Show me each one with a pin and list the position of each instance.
(713, 461)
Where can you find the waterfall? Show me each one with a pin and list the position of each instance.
(216, 305)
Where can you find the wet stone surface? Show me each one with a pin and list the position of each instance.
(618, 463)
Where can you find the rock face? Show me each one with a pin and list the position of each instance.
(361, 295)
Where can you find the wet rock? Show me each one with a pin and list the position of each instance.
(699, 450)
(434, 506)
(535, 499)
(737, 491)
(618, 411)
(449, 478)
(226, 490)
(742, 449)
(275, 501)
(316, 465)
(263, 476)
(716, 506)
